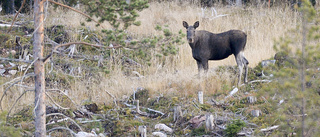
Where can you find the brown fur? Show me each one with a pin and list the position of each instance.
(210, 46)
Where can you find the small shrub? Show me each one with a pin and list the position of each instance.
(234, 127)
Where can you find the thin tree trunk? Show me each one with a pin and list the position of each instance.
(38, 43)
(302, 68)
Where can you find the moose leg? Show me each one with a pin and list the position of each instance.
(200, 68)
(240, 67)
(246, 62)
(205, 66)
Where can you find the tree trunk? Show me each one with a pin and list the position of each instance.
(38, 38)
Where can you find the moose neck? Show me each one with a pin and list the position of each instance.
(195, 41)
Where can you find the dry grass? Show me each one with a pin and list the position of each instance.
(261, 25)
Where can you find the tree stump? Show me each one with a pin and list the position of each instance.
(209, 122)
(177, 113)
(200, 97)
(143, 131)
(251, 99)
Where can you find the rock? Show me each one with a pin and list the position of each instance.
(2, 71)
(101, 135)
(12, 64)
(12, 72)
(197, 120)
(163, 127)
(85, 134)
(159, 134)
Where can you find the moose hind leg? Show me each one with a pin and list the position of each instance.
(246, 63)
(240, 65)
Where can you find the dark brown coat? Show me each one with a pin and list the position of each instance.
(210, 46)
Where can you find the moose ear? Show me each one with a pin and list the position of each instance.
(196, 25)
(185, 24)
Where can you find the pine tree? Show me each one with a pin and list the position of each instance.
(296, 78)
(119, 13)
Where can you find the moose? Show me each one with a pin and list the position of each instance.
(210, 46)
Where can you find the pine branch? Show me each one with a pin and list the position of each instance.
(75, 11)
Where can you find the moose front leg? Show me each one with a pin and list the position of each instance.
(200, 68)
(205, 65)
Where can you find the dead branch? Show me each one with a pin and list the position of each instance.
(89, 121)
(24, 74)
(156, 111)
(55, 102)
(216, 134)
(58, 121)
(16, 103)
(60, 114)
(114, 98)
(14, 19)
(75, 11)
(61, 92)
(255, 81)
(61, 128)
(269, 128)
(29, 74)
(5, 91)
(15, 60)
(71, 43)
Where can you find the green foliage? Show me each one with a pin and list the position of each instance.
(296, 77)
(119, 13)
(199, 131)
(7, 130)
(234, 127)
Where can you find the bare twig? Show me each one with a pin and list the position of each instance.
(156, 111)
(16, 60)
(61, 128)
(55, 102)
(14, 19)
(269, 128)
(255, 81)
(61, 92)
(114, 99)
(16, 103)
(89, 121)
(24, 74)
(71, 43)
(60, 114)
(75, 11)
